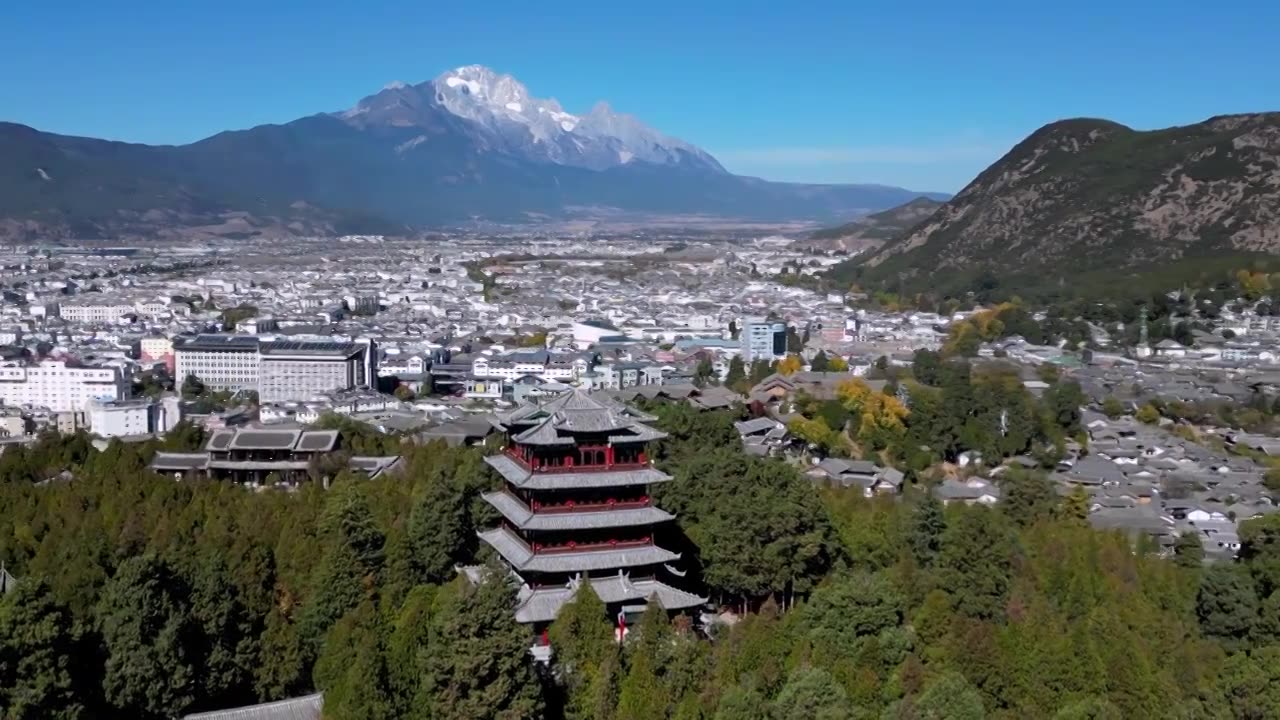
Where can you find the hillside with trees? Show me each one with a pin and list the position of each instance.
(144, 597)
(1082, 205)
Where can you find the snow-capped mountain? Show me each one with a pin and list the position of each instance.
(504, 116)
(470, 145)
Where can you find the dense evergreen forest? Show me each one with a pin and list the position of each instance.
(143, 597)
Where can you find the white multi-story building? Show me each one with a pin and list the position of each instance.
(221, 362)
(97, 312)
(279, 371)
(763, 339)
(305, 370)
(561, 367)
(121, 418)
(155, 348)
(60, 386)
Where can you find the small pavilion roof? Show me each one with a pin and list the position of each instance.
(543, 604)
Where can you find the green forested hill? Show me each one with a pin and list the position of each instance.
(143, 597)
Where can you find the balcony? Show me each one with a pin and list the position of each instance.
(570, 464)
(575, 547)
(572, 506)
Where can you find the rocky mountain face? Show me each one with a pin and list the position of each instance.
(471, 144)
(1086, 196)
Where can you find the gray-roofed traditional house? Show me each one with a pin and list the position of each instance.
(864, 474)
(576, 506)
(252, 454)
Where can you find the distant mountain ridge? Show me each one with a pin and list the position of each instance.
(1089, 198)
(870, 232)
(470, 144)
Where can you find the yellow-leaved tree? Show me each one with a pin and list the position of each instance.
(790, 365)
(881, 418)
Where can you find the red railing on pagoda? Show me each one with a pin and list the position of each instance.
(571, 546)
(572, 506)
(571, 463)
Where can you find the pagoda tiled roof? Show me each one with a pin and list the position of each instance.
(522, 559)
(521, 477)
(554, 422)
(543, 604)
(522, 517)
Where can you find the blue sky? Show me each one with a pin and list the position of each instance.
(921, 94)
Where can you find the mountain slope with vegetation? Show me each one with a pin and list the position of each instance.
(870, 232)
(1089, 201)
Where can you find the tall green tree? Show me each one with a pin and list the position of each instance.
(975, 561)
(438, 524)
(42, 661)
(1188, 551)
(583, 641)
(228, 650)
(811, 693)
(1027, 496)
(147, 629)
(480, 665)
(1227, 604)
(352, 668)
(950, 697)
(283, 675)
(350, 569)
(736, 378)
(928, 523)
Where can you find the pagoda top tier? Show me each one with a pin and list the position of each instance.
(565, 419)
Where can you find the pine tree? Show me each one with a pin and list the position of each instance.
(1188, 551)
(480, 664)
(742, 702)
(229, 639)
(950, 697)
(146, 627)
(352, 669)
(642, 695)
(1075, 507)
(811, 693)
(40, 656)
(928, 524)
(438, 524)
(282, 675)
(820, 363)
(583, 639)
(737, 375)
(1227, 604)
(975, 561)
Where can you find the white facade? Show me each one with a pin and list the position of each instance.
(284, 378)
(233, 369)
(541, 364)
(60, 387)
(95, 313)
(121, 419)
(155, 348)
(763, 340)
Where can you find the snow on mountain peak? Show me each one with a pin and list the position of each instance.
(500, 108)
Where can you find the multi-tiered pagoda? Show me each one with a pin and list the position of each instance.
(576, 507)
